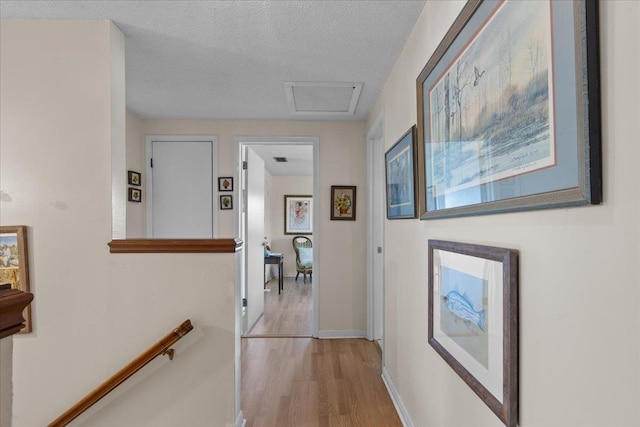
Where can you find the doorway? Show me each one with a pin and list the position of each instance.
(247, 175)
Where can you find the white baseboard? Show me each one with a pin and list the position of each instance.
(397, 400)
(240, 421)
(342, 334)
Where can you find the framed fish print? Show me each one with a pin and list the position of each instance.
(14, 264)
(298, 214)
(473, 319)
(400, 171)
(509, 110)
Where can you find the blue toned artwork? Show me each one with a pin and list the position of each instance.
(463, 312)
(400, 178)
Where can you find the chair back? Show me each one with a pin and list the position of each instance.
(298, 243)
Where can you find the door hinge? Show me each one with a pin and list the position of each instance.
(244, 302)
(379, 249)
(151, 162)
(244, 165)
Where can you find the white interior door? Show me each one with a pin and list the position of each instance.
(181, 192)
(375, 244)
(254, 236)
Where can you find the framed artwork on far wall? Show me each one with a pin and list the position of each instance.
(225, 183)
(133, 178)
(509, 110)
(343, 202)
(135, 195)
(14, 264)
(226, 202)
(473, 319)
(400, 172)
(298, 214)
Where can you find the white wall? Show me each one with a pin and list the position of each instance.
(136, 219)
(342, 159)
(281, 186)
(579, 281)
(93, 311)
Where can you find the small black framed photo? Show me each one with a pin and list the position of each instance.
(133, 178)
(225, 183)
(226, 202)
(135, 195)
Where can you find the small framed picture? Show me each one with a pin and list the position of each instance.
(226, 202)
(401, 166)
(134, 178)
(298, 214)
(225, 183)
(343, 202)
(135, 195)
(14, 264)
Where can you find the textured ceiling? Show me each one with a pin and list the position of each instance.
(230, 59)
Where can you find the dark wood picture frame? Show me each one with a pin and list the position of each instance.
(226, 202)
(14, 264)
(134, 178)
(570, 174)
(343, 202)
(401, 168)
(135, 195)
(507, 408)
(225, 183)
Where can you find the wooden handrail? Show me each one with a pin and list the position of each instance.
(161, 347)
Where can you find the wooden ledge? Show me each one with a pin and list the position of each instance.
(12, 304)
(130, 246)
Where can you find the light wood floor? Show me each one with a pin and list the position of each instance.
(309, 382)
(287, 314)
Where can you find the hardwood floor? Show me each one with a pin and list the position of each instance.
(311, 382)
(288, 314)
(291, 379)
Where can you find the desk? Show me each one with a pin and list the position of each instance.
(276, 259)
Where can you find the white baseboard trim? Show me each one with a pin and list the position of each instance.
(342, 334)
(240, 421)
(397, 400)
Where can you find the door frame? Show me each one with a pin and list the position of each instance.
(149, 140)
(375, 270)
(241, 142)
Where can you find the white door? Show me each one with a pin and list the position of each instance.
(254, 237)
(181, 193)
(375, 244)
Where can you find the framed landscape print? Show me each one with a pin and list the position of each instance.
(473, 319)
(509, 110)
(298, 214)
(400, 171)
(14, 264)
(343, 202)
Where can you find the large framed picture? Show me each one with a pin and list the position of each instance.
(343, 202)
(14, 264)
(509, 110)
(400, 171)
(298, 214)
(473, 319)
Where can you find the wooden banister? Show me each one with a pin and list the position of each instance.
(161, 347)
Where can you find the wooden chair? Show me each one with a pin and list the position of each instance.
(304, 256)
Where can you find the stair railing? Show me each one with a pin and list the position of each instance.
(162, 347)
